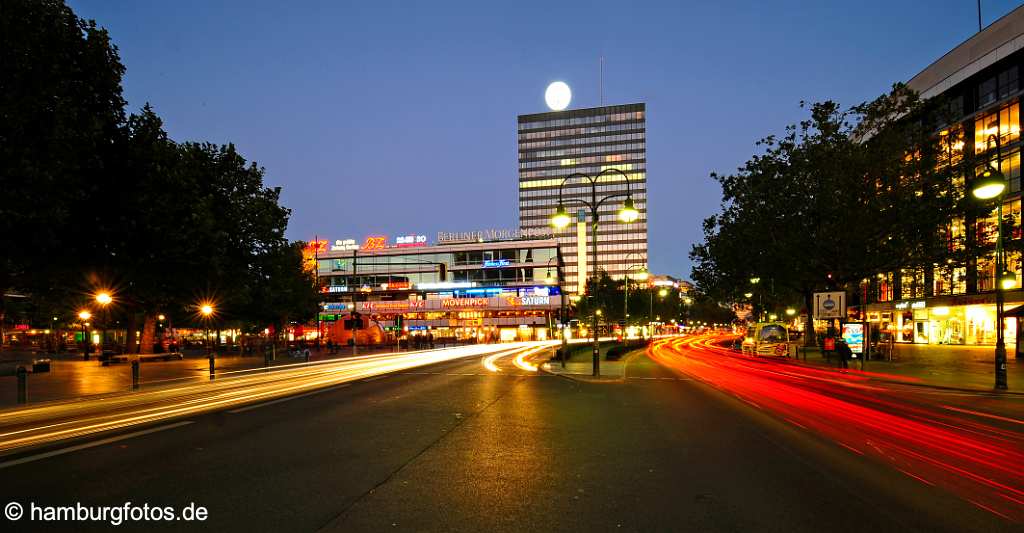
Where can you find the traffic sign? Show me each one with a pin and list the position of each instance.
(828, 305)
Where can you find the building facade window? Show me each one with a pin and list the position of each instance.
(1004, 124)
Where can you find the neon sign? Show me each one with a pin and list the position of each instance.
(464, 302)
(407, 241)
(496, 263)
(375, 242)
(344, 245)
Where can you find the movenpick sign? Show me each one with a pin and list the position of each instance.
(829, 305)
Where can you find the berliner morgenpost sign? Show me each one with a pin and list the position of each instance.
(828, 305)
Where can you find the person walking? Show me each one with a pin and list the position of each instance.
(844, 353)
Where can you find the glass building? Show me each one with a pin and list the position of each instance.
(952, 299)
(554, 145)
(482, 291)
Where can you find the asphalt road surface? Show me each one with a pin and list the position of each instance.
(460, 446)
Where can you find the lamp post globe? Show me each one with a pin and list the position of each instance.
(990, 184)
(628, 213)
(561, 218)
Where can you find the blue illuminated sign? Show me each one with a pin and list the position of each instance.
(495, 263)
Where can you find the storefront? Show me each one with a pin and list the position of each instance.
(963, 320)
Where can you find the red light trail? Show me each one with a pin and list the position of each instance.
(976, 455)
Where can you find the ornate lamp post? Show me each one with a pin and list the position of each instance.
(991, 184)
(561, 219)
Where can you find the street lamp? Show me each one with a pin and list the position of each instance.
(991, 184)
(84, 315)
(206, 309)
(640, 276)
(627, 214)
(103, 298)
(562, 322)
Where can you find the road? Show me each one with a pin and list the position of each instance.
(487, 443)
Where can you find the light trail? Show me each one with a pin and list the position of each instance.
(976, 455)
(56, 421)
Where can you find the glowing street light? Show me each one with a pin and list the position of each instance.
(561, 219)
(748, 295)
(755, 280)
(104, 298)
(991, 184)
(663, 293)
(790, 311)
(84, 315)
(206, 310)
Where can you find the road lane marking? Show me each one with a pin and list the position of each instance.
(286, 399)
(93, 444)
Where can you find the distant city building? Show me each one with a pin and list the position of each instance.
(465, 289)
(556, 144)
(952, 301)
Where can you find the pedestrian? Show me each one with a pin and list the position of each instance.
(844, 352)
(330, 346)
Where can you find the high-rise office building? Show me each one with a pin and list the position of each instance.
(556, 144)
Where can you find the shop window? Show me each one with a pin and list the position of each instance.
(942, 281)
(951, 146)
(986, 272)
(1011, 218)
(911, 283)
(1013, 265)
(986, 229)
(1004, 124)
(885, 287)
(960, 280)
(956, 234)
(1009, 165)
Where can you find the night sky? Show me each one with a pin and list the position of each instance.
(400, 117)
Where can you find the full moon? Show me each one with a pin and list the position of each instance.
(558, 96)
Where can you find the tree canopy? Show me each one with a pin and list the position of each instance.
(95, 197)
(839, 197)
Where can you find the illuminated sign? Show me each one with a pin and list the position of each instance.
(464, 302)
(391, 307)
(430, 286)
(496, 263)
(21, 327)
(375, 242)
(406, 241)
(344, 244)
(396, 286)
(450, 237)
(535, 300)
(853, 334)
(920, 304)
(528, 300)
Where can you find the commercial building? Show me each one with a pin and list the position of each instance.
(463, 288)
(557, 144)
(952, 301)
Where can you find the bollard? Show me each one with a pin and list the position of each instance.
(135, 374)
(22, 384)
(212, 366)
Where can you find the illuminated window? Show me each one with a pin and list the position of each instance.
(885, 287)
(986, 272)
(911, 283)
(1004, 124)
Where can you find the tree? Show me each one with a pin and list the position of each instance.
(60, 112)
(94, 200)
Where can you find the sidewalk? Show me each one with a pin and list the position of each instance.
(959, 367)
